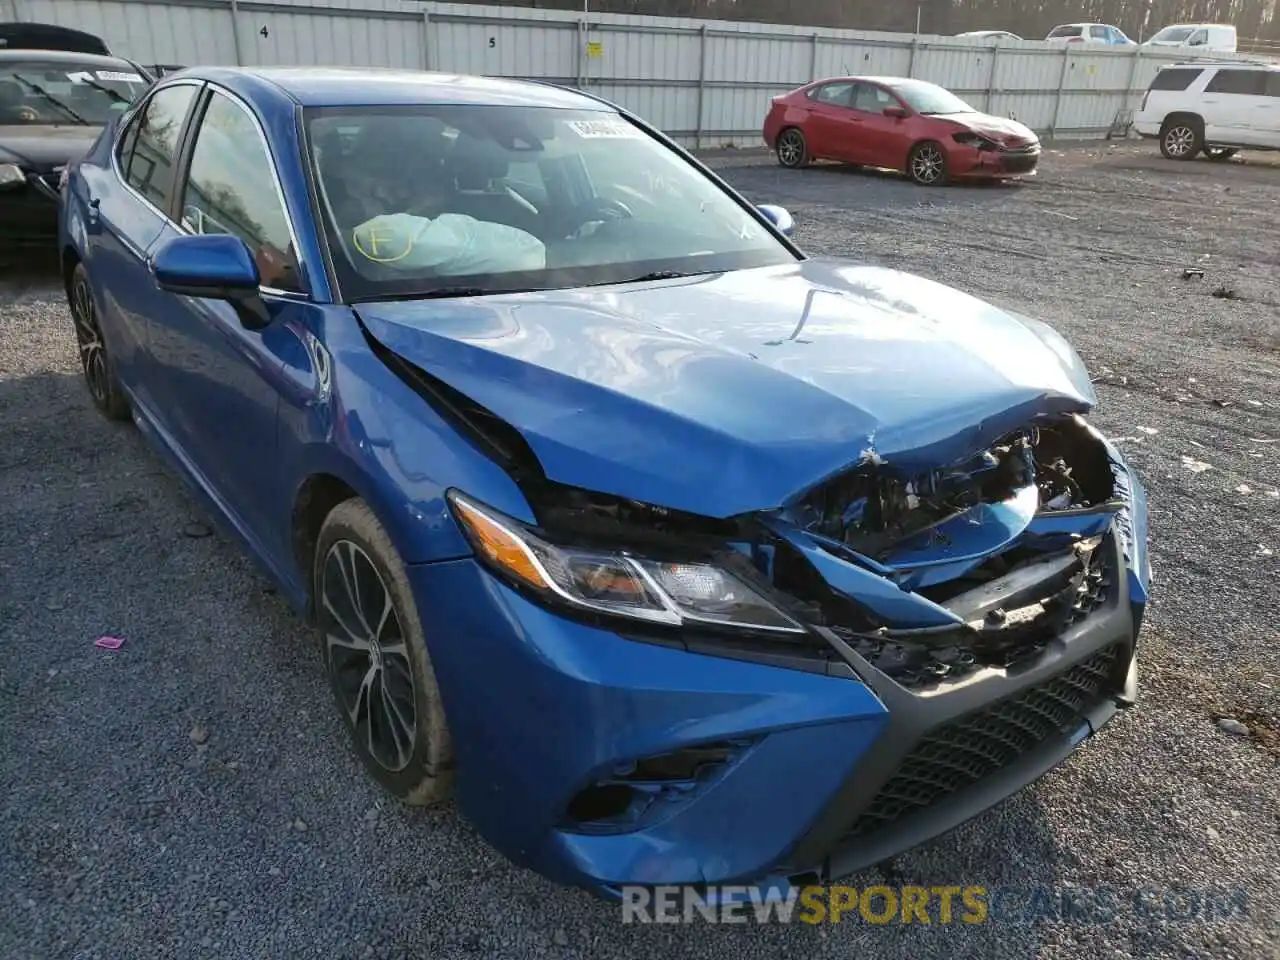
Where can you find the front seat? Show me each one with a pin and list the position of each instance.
(478, 169)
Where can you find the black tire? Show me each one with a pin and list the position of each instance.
(927, 164)
(792, 149)
(95, 362)
(375, 688)
(1218, 154)
(1181, 138)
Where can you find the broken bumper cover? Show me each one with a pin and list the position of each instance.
(602, 760)
(996, 163)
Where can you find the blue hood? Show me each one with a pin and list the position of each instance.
(731, 393)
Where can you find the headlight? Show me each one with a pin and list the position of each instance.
(11, 173)
(975, 139)
(616, 582)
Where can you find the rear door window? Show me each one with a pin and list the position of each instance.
(1241, 82)
(836, 94)
(1065, 32)
(1099, 33)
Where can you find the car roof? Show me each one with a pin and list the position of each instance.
(13, 54)
(377, 86)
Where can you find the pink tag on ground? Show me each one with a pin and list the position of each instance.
(109, 643)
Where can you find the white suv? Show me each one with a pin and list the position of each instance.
(1212, 108)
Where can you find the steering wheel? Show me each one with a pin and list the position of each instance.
(597, 208)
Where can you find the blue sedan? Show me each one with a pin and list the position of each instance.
(677, 556)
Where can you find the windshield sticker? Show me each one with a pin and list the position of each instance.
(605, 129)
(84, 76)
(117, 77)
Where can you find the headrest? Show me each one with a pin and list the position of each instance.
(473, 163)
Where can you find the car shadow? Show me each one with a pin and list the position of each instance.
(24, 270)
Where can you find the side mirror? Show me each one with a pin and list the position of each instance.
(779, 217)
(896, 112)
(214, 266)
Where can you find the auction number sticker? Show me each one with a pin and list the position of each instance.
(605, 130)
(112, 75)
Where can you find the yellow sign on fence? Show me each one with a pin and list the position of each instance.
(595, 49)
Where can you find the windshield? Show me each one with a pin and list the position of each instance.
(928, 98)
(34, 92)
(1174, 33)
(478, 198)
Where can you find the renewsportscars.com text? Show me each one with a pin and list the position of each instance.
(943, 904)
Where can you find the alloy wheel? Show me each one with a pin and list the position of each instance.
(368, 657)
(927, 164)
(1179, 140)
(93, 357)
(791, 148)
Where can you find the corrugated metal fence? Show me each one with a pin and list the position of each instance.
(706, 82)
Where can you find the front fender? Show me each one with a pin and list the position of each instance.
(358, 421)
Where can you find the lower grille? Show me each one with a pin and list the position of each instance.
(1019, 163)
(968, 750)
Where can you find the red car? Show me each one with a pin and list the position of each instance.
(911, 126)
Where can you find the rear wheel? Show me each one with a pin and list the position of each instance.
(375, 653)
(1181, 139)
(792, 149)
(99, 375)
(927, 164)
(1220, 153)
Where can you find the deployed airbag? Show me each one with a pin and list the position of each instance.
(451, 244)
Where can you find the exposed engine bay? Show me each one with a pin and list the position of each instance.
(872, 509)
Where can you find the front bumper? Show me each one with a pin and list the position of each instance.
(29, 214)
(822, 773)
(970, 162)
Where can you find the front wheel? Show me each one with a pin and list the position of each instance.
(1220, 153)
(792, 149)
(1181, 140)
(375, 652)
(99, 374)
(927, 164)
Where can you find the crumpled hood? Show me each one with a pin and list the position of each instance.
(737, 392)
(41, 147)
(998, 128)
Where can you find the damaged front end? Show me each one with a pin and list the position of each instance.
(925, 578)
(991, 605)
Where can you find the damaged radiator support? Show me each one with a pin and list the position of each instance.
(998, 605)
(871, 510)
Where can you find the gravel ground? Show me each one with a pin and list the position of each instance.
(191, 795)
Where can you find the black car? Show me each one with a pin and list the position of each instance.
(53, 105)
(50, 36)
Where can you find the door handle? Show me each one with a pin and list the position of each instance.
(95, 210)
